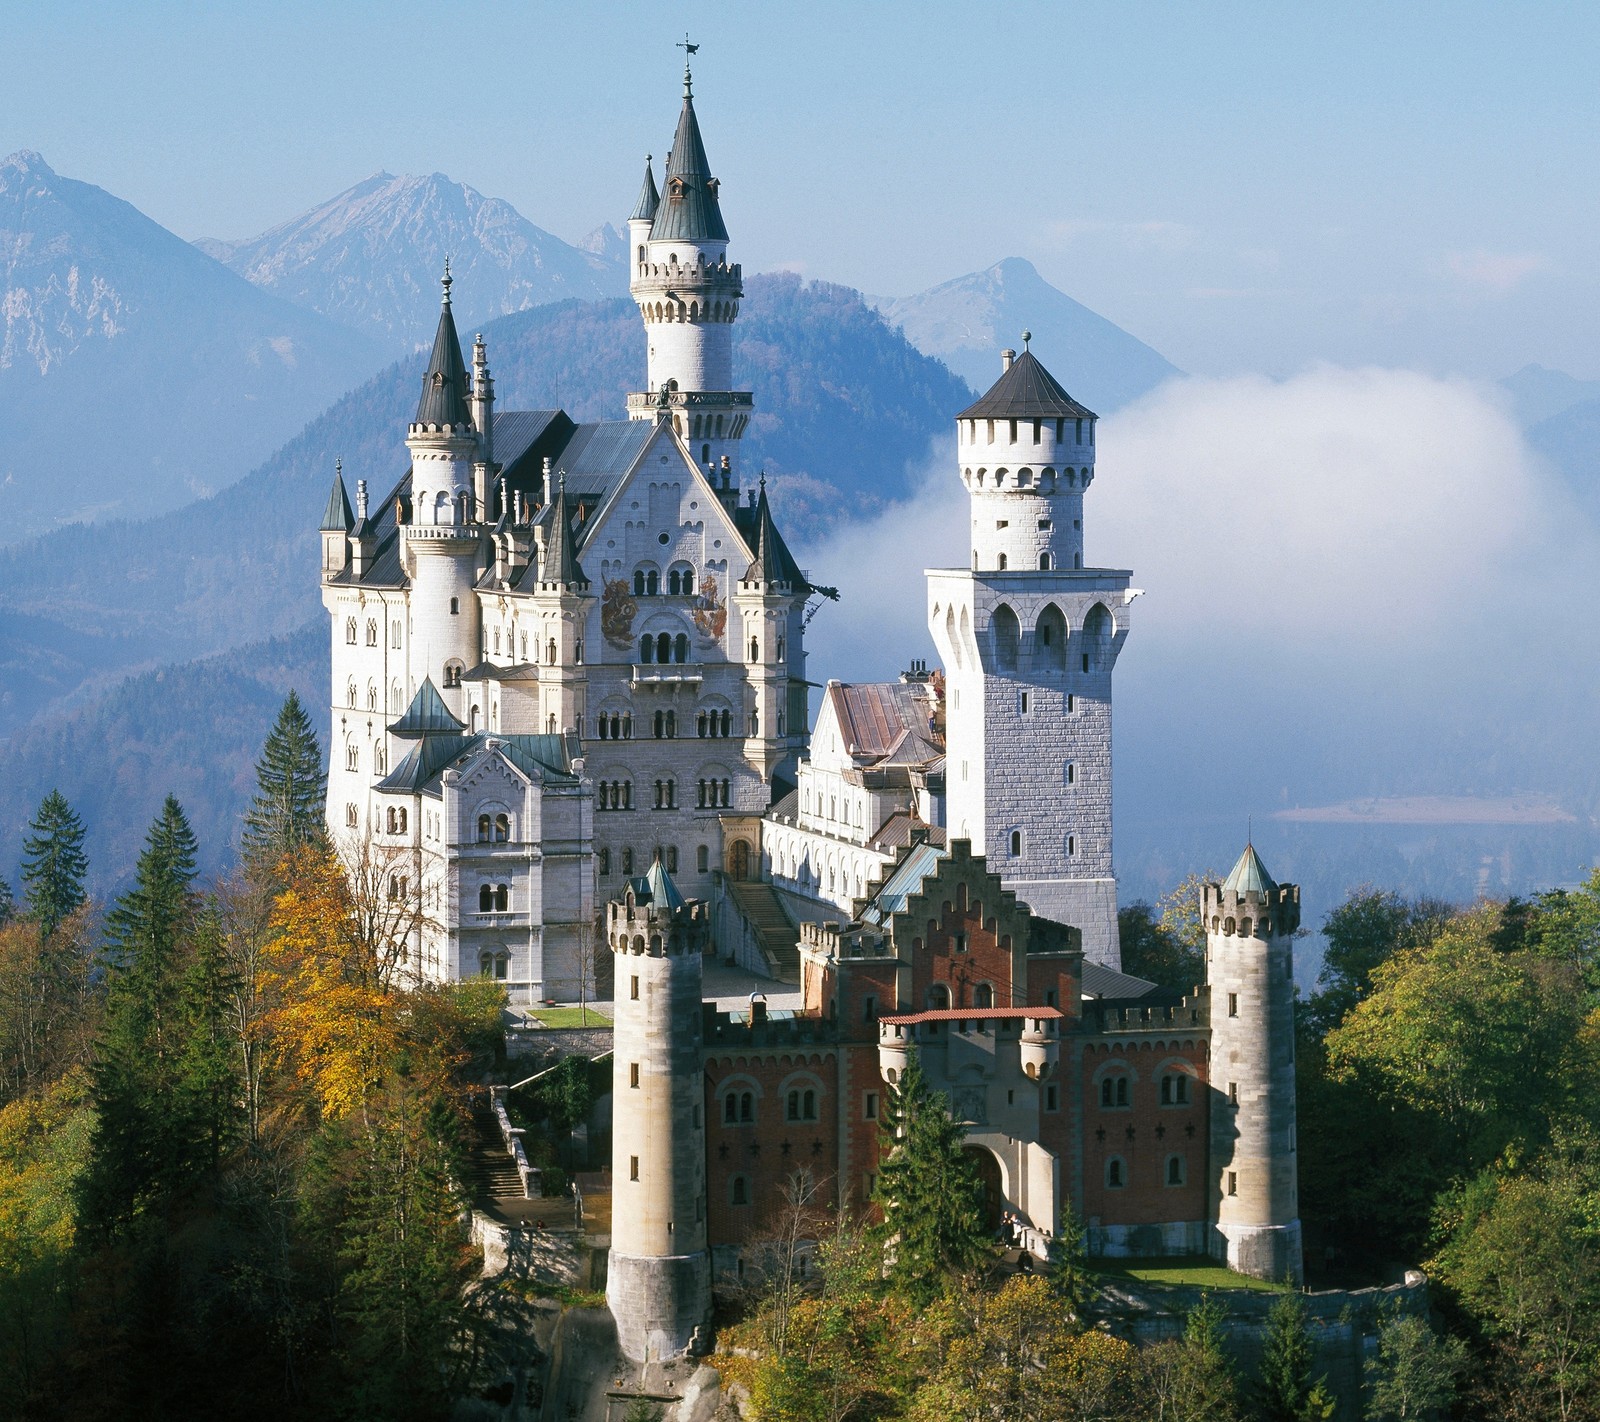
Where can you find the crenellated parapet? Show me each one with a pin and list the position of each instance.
(651, 930)
(1255, 912)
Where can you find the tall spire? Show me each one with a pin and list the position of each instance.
(649, 199)
(689, 210)
(773, 562)
(337, 518)
(560, 561)
(444, 386)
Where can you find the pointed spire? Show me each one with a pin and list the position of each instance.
(337, 518)
(664, 893)
(1249, 875)
(689, 210)
(649, 199)
(772, 558)
(426, 716)
(444, 387)
(560, 561)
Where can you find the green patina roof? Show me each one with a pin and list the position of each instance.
(337, 517)
(1249, 875)
(427, 715)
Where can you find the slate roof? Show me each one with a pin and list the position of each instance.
(657, 888)
(688, 211)
(444, 384)
(427, 715)
(903, 828)
(559, 562)
(649, 199)
(1103, 982)
(547, 756)
(1249, 875)
(905, 881)
(337, 518)
(747, 518)
(1026, 391)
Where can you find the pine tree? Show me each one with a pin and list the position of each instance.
(1070, 1279)
(1285, 1391)
(929, 1188)
(1207, 1390)
(143, 1144)
(287, 810)
(53, 863)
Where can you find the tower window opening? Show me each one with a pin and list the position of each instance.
(738, 1191)
(1037, 430)
(1072, 773)
(1115, 1176)
(1016, 843)
(455, 607)
(1233, 1004)
(1072, 844)
(1002, 564)
(1233, 1182)
(1044, 562)
(1174, 1170)
(633, 1167)
(1233, 1093)
(633, 1075)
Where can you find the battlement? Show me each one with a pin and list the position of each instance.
(697, 276)
(657, 931)
(726, 1029)
(1252, 914)
(1119, 1018)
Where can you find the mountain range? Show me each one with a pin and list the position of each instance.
(371, 257)
(136, 373)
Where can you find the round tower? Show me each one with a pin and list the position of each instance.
(444, 537)
(688, 295)
(1027, 455)
(659, 1278)
(1250, 924)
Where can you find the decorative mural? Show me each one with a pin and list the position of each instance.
(617, 610)
(710, 611)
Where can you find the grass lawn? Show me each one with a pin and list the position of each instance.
(1195, 1271)
(568, 1017)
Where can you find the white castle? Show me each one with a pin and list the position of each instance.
(563, 651)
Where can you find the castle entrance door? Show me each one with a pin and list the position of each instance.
(740, 868)
(989, 1175)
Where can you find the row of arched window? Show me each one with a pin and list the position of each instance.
(680, 581)
(799, 1104)
(494, 829)
(395, 819)
(1116, 1089)
(663, 648)
(494, 965)
(1174, 1172)
(494, 898)
(667, 854)
(1039, 425)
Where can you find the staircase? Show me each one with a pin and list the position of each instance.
(491, 1175)
(769, 921)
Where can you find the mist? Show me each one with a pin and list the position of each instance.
(1358, 584)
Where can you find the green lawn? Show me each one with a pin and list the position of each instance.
(568, 1017)
(1197, 1272)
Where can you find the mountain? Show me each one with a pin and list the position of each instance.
(371, 258)
(136, 373)
(1570, 440)
(846, 413)
(967, 322)
(1538, 393)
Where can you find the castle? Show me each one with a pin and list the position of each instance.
(571, 738)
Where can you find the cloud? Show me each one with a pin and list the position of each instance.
(1150, 234)
(1498, 272)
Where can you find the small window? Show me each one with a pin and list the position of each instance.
(633, 988)
(350, 631)
(738, 1191)
(702, 858)
(455, 607)
(352, 817)
(1072, 773)
(1016, 843)
(633, 1167)
(869, 1106)
(1233, 1182)
(1116, 1176)
(1233, 1004)
(1175, 1170)
(1026, 702)
(1052, 1097)
(869, 1008)
(633, 1071)
(1233, 1093)
(960, 946)
(1050, 998)
(1072, 844)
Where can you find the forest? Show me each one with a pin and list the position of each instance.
(233, 1135)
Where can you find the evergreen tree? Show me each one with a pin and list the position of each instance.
(1285, 1391)
(211, 1083)
(143, 1144)
(929, 1188)
(1206, 1388)
(290, 788)
(1070, 1278)
(53, 863)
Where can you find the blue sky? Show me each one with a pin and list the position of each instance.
(1249, 187)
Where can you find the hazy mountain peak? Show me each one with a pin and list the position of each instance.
(23, 162)
(371, 255)
(1539, 393)
(967, 321)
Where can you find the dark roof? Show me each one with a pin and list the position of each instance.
(559, 563)
(688, 210)
(427, 715)
(657, 888)
(649, 198)
(337, 518)
(384, 569)
(771, 562)
(533, 755)
(1103, 982)
(902, 829)
(1026, 391)
(444, 386)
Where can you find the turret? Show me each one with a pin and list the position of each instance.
(659, 1275)
(1027, 455)
(689, 296)
(337, 521)
(1250, 923)
(562, 597)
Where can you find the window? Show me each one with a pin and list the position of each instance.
(502, 828)
(1233, 1004)
(627, 861)
(455, 607)
(1072, 844)
(452, 674)
(1175, 1170)
(802, 1106)
(869, 1106)
(739, 1108)
(1025, 703)
(1052, 1097)
(372, 632)
(869, 1008)
(702, 859)
(605, 862)
(1233, 1182)
(960, 946)
(983, 996)
(1175, 1089)
(352, 817)
(647, 649)
(680, 648)
(502, 965)
(633, 1167)
(350, 631)
(633, 988)
(484, 825)
(1116, 1174)
(672, 859)
(633, 1075)
(352, 757)
(1233, 1093)
(1016, 843)
(1044, 562)
(1113, 1092)
(1072, 773)
(755, 649)
(738, 1191)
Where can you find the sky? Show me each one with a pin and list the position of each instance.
(1251, 188)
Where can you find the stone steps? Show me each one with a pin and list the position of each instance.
(775, 931)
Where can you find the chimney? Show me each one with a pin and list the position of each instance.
(361, 501)
(1006, 357)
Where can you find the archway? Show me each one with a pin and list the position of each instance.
(994, 1199)
(739, 861)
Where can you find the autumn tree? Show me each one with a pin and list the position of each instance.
(1414, 1376)
(54, 866)
(929, 1188)
(1192, 1378)
(48, 1002)
(287, 811)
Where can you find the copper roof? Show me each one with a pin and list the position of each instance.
(886, 721)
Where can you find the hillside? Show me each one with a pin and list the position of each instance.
(370, 258)
(136, 373)
(967, 322)
(852, 415)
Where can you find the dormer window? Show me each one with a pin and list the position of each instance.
(676, 188)
(712, 184)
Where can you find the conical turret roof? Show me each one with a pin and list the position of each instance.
(444, 387)
(1027, 391)
(559, 563)
(337, 518)
(663, 892)
(649, 199)
(689, 211)
(1249, 875)
(427, 715)
(773, 562)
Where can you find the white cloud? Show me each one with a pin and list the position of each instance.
(1498, 272)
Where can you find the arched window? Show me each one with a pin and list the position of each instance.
(680, 648)
(1002, 563)
(452, 673)
(502, 828)
(1016, 843)
(485, 898)
(664, 647)
(550, 653)
(1116, 1173)
(647, 649)
(1175, 1170)
(755, 649)
(350, 631)
(484, 827)
(738, 1191)
(702, 858)
(1007, 634)
(1097, 629)
(939, 998)
(1175, 1089)
(652, 583)
(1044, 562)
(372, 632)
(502, 965)
(983, 996)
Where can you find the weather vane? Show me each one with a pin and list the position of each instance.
(686, 47)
